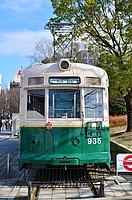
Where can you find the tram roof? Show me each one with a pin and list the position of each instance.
(89, 74)
(76, 69)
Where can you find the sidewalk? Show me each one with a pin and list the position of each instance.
(7, 134)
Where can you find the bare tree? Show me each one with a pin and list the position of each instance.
(2, 102)
(13, 97)
(43, 49)
(9, 102)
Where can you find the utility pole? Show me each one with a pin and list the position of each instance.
(62, 39)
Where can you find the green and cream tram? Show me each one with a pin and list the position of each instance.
(64, 116)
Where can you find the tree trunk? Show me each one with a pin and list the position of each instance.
(128, 100)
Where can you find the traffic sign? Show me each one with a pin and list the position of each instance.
(127, 163)
(124, 162)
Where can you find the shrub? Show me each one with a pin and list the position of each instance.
(116, 121)
(116, 108)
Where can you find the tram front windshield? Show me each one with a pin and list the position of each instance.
(64, 103)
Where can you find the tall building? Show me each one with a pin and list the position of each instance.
(15, 83)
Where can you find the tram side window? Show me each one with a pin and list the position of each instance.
(35, 103)
(93, 103)
(64, 103)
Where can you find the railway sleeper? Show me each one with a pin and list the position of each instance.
(67, 178)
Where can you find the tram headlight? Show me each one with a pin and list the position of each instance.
(64, 65)
(48, 126)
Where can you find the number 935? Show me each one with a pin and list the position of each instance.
(94, 140)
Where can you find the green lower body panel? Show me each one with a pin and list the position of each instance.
(63, 146)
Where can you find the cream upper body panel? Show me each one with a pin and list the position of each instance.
(76, 69)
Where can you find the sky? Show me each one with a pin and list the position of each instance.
(21, 26)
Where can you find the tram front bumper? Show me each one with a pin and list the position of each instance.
(65, 161)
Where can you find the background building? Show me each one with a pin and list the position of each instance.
(15, 83)
(75, 49)
(83, 55)
(87, 57)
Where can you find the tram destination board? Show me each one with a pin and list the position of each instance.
(64, 80)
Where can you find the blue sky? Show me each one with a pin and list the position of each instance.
(21, 26)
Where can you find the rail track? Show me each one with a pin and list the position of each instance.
(64, 177)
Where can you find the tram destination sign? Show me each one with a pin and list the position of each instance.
(64, 80)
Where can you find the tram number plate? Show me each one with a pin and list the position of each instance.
(94, 140)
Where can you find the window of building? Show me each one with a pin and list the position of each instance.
(85, 56)
(90, 62)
